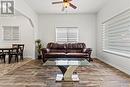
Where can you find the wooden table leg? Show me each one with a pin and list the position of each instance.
(9, 59)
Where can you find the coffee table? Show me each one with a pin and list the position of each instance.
(67, 67)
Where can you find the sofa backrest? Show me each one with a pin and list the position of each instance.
(75, 47)
(55, 47)
(68, 48)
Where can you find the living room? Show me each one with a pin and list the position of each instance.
(50, 23)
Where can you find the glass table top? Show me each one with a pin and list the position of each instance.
(67, 62)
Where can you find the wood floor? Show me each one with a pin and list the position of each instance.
(33, 74)
(5, 67)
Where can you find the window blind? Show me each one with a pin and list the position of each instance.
(116, 34)
(61, 35)
(10, 33)
(66, 34)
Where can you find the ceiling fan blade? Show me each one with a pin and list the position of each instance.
(63, 8)
(57, 2)
(73, 6)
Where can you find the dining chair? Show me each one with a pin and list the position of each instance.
(20, 49)
(2, 56)
(13, 53)
(14, 45)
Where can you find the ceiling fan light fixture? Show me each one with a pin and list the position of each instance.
(66, 4)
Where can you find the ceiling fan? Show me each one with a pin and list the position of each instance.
(65, 3)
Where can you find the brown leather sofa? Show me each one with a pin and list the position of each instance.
(70, 50)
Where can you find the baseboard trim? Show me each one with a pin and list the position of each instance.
(115, 66)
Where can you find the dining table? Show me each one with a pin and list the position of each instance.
(7, 51)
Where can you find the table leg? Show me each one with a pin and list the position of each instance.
(63, 69)
(67, 74)
(9, 59)
(4, 58)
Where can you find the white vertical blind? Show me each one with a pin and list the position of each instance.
(72, 35)
(116, 34)
(66, 34)
(61, 35)
(10, 33)
(15, 32)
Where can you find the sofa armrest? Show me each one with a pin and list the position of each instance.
(44, 50)
(87, 50)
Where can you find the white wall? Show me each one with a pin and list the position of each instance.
(85, 22)
(112, 8)
(22, 7)
(27, 11)
(26, 33)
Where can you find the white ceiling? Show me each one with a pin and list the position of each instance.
(83, 6)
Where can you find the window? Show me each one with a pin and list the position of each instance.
(116, 34)
(66, 34)
(10, 33)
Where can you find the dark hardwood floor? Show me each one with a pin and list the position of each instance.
(33, 74)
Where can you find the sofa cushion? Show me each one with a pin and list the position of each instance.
(57, 51)
(48, 55)
(74, 51)
(56, 46)
(76, 54)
